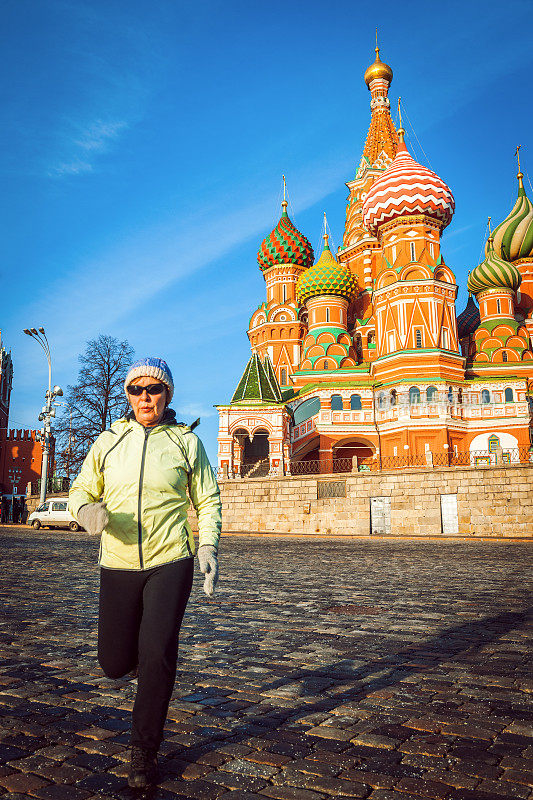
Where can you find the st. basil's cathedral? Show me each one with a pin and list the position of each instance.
(361, 354)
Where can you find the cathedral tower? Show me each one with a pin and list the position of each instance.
(406, 209)
(276, 329)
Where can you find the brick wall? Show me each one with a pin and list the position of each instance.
(491, 501)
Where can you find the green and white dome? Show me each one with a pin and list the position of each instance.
(493, 273)
(513, 238)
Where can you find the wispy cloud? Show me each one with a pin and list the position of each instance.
(97, 136)
(83, 143)
(76, 167)
(194, 409)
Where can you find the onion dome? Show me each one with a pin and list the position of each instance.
(469, 319)
(285, 245)
(513, 238)
(407, 187)
(378, 70)
(327, 276)
(493, 273)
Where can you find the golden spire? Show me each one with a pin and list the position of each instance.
(401, 131)
(490, 239)
(284, 203)
(520, 173)
(325, 235)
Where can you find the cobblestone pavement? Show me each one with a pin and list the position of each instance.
(321, 669)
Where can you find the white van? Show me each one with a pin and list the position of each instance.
(53, 514)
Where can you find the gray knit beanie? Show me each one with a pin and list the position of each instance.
(151, 368)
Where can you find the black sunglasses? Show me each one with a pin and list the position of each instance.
(152, 388)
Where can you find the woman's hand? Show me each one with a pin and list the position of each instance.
(93, 517)
(207, 558)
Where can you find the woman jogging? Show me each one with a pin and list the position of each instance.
(132, 489)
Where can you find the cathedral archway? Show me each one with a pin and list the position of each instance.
(256, 449)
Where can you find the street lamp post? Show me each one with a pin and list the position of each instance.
(47, 411)
(69, 435)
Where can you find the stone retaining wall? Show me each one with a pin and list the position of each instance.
(491, 501)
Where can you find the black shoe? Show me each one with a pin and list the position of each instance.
(143, 768)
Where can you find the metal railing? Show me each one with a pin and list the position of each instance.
(53, 485)
(514, 456)
(321, 467)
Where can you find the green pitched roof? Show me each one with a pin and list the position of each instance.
(271, 375)
(258, 382)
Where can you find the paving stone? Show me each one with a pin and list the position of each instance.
(232, 780)
(326, 732)
(290, 793)
(338, 787)
(255, 770)
(22, 782)
(423, 788)
(198, 789)
(62, 792)
(238, 795)
(374, 779)
(503, 787)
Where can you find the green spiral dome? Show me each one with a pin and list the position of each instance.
(327, 276)
(493, 273)
(513, 238)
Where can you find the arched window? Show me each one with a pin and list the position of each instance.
(431, 394)
(355, 402)
(414, 395)
(381, 399)
(504, 356)
(418, 338)
(283, 380)
(460, 396)
(413, 252)
(371, 338)
(326, 365)
(450, 395)
(393, 397)
(327, 314)
(359, 347)
(498, 306)
(485, 396)
(336, 402)
(509, 395)
(307, 409)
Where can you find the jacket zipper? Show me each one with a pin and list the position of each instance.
(112, 448)
(139, 503)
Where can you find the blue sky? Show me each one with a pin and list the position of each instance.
(143, 144)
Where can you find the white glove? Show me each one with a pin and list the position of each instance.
(93, 517)
(208, 561)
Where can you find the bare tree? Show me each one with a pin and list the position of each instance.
(95, 401)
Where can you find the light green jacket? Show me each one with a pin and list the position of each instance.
(142, 475)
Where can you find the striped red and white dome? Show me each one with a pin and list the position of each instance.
(407, 187)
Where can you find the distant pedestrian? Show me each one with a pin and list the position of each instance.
(132, 488)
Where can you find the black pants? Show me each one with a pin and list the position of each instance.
(139, 621)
